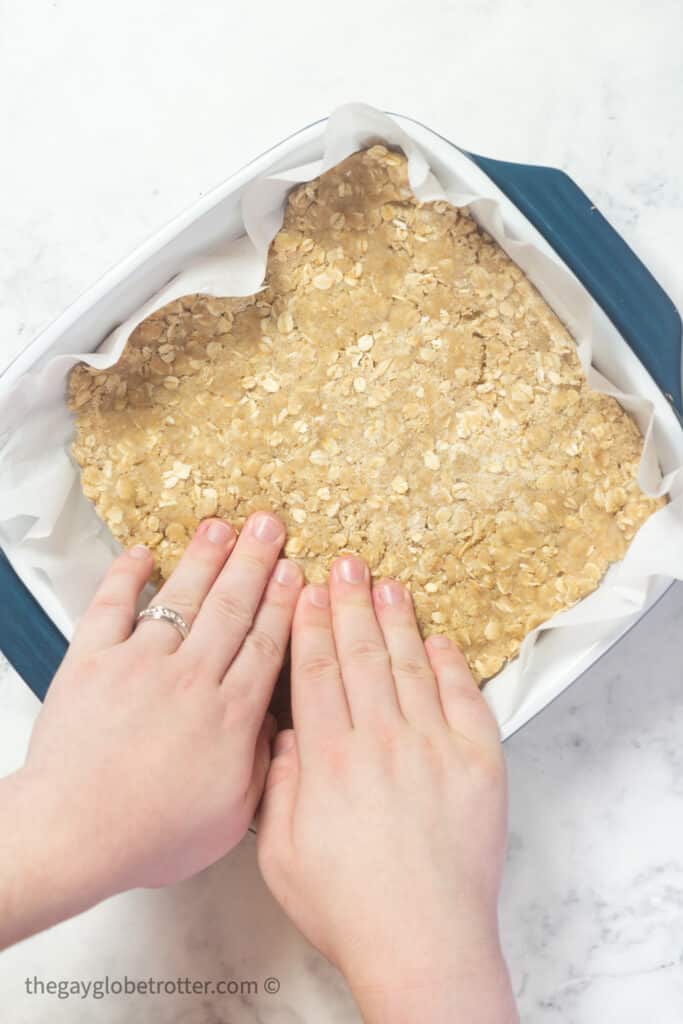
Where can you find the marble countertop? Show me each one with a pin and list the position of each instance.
(120, 115)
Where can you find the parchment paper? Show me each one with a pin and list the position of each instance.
(46, 522)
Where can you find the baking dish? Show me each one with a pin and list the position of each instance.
(538, 202)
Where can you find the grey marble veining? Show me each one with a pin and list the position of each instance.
(120, 115)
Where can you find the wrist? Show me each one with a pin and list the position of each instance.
(468, 982)
(44, 872)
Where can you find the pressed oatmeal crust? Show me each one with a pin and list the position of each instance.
(398, 390)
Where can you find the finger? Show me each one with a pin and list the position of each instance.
(416, 686)
(319, 706)
(462, 701)
(110, 616)
(228, 612)
(363, 656)
(253, 674)
(187, 586)
(277, 804)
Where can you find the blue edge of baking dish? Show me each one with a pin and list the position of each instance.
(627, 292)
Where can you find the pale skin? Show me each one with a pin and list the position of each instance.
(382, 825)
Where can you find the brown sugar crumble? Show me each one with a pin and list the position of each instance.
(398, 390)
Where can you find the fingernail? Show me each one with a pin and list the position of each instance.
(287, 573)
(391, 592)
(218, 532)
(318, 596)
(139, 551)
(438, 640)
(265, 528)
(351, 569)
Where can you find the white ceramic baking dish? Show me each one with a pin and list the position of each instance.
(538, 203)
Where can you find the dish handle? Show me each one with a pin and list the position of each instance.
(29, 638)
(636, 304)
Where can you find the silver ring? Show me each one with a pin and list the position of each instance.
(162, 614)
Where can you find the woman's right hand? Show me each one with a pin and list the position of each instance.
(383, 824)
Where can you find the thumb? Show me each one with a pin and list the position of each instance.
(277, 805)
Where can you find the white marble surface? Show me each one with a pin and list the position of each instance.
(115, 117)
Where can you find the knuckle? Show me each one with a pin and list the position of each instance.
(467, 692)
(143, 662)
(414, 668)
(456, 662)
(231, 607)
(255, 561)
(355, 599)
(389, 737)
(265, 645)
(186, 671)
(206, 554)
(123, 571)
(121, 568)
(335, 760)
(367, 653)
(109, 600)
(180, 601)
(318, 669)
(89, 666)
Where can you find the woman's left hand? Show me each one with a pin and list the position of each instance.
(149, 757)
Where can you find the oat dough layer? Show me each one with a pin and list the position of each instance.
(398, 390)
